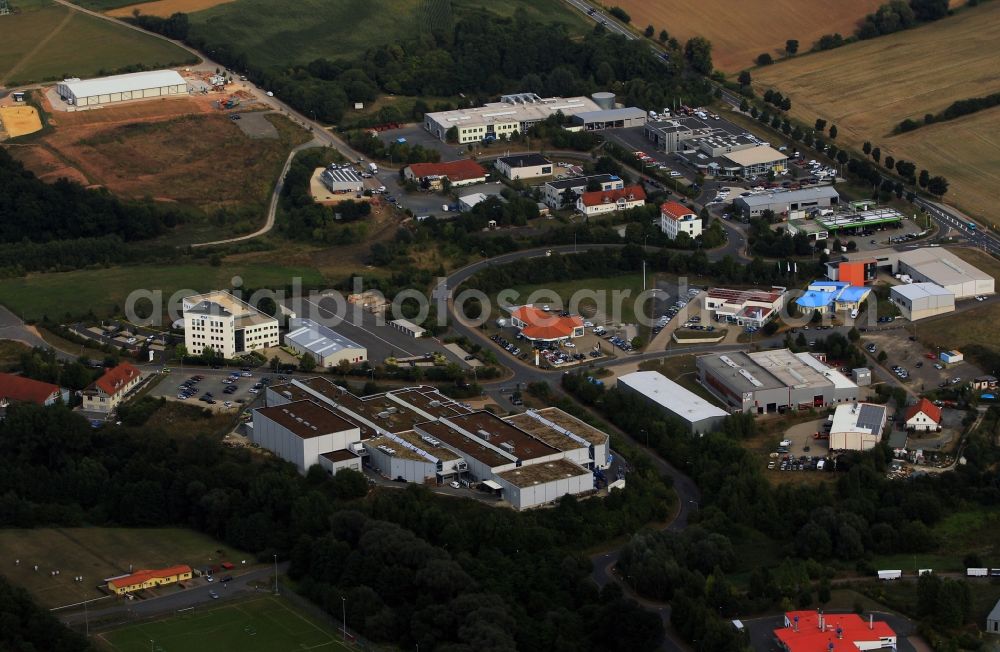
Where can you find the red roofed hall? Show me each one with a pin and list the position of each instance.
(144, 579)
(105, 393)
(607, 201)
(676, 218)
(18, 389)
(923, 416)
(540, 325)
(458, 173)
(813, 631)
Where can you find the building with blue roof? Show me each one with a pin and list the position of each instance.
(833, 296)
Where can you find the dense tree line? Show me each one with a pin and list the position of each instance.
(33, 211)
(450, 575)
(954, 110)
(26, 627)
(898, 15)
(303, 219)
(766, 241)
(859, 515)
(477, 53)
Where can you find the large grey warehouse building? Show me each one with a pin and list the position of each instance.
(933, 265)
(122, 88)
(921, 300)
(610, 119)
(418, 435)
(787, 200)
(693, 410)
(773, 381)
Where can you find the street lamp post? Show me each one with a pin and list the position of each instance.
(343, 613)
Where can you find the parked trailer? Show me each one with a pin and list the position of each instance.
(925, 571)
(995, 572)
(977, 572)
(890, 574)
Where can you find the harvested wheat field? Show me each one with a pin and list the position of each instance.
(19, 120)
(966, 151)
(867, 88)
(739, 31)
(165, 8)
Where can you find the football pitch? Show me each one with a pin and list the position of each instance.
(264, 624)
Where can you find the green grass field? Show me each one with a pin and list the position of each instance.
(98, 553)
(605, 287)
(46, 41)
(263, 624)
(100, 290)
(277, 34)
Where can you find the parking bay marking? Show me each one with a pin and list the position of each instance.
(391, 344)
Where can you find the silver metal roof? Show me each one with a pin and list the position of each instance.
(133, 81)
(317, 339)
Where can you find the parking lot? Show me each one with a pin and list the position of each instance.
(415, 134)
(214, 389)
(917, 367)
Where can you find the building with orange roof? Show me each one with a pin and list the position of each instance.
(145, 579)
(105, 393)
(676, 218)
(608, 201)
(19, 389)
(458, 173)
(543, 326)
(814, 631)
(923, 416)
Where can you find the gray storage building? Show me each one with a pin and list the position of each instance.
(920, 300)
(328, 347)
(787, 200)
(696, 412)
(610, 119)
(772, 381)
(341, 180)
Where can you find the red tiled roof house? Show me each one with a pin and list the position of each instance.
(105, 393)
(458, 173)
(923, 416)
(608, 201)
(145, 579)
(538, 325)
(18, 389)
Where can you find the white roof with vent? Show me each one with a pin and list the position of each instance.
(675, 398)
(133, 81)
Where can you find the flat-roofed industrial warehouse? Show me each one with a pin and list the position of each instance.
(772, 381)
(326, 346)
(693, 410)
(514, 113)
(417, 434)
(933, 265)
(122, 88)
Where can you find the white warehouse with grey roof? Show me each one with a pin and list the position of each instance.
(696, 412)
(328, 347)
(122, 88)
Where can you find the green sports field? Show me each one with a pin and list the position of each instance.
(263, 624)
(48, 41)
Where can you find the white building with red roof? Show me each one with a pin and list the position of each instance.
(744, 307)
(19, 389)
(923, 416)
(105, 393)
(813, 631)
(543, 326)
(676, 218)
(458, 173)
(608, 201)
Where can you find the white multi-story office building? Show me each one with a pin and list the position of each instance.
(227, 325)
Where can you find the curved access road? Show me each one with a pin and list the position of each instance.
(272, 208)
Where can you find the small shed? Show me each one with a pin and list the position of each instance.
(993, 620)
(861, 376)
(952, 357)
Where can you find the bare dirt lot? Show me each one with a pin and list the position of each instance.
(739, 31)
(165, 8)
(19, 120)
(176, 150)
